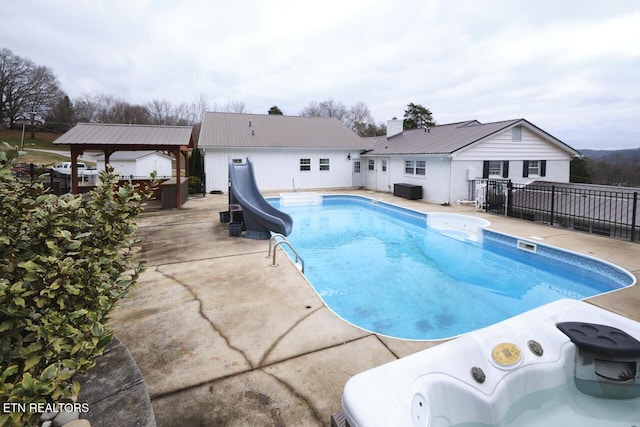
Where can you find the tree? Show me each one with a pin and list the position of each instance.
(42, 94)
(579, 171)
(274, 110)
(375, 130)
(125, 113)
(326, 108)
(416, 116)
(312, 110)
(87, 108)
(196, 172)
(13, 85)
(26, 89)
(233, 107)
(61, 116)
(358, 117)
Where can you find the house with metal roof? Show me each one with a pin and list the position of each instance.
(288, 152)
(447, 161)
(444, 161)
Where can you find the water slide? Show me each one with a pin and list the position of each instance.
(260, 217)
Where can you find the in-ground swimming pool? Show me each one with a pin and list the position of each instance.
(379, 267)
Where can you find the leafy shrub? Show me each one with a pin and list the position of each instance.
(65, 261)
(195, 185)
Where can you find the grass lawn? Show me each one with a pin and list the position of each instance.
(42, 141)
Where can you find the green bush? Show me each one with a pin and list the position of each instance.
(65, 261)
(195, 185)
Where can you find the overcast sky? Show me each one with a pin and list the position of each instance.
(570, 67)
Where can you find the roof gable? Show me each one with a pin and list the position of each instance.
(233, 130)
(453, 137)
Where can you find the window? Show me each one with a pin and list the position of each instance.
(305, 164)
(537, 168)
(384, 166)
(415, 167)
(409, 167)
(516, 133)
(495, 168)
(324, 164)
(356, 166)
(372, 165)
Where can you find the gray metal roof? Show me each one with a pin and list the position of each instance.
(231, 130)
(122, 134)
(449, 138)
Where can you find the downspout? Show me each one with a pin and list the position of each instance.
(450, 175)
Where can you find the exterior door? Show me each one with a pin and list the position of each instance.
(382, 174)
(356, 173)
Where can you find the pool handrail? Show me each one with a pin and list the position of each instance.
(283, 241)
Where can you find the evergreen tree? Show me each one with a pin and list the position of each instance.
(274, 110)
(416, 116)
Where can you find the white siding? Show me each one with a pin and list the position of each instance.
(276, 169)
(155, 162)
(501, 147)
(447, 180)
(435, 182)
(142, 166)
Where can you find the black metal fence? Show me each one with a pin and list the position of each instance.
(603, 210)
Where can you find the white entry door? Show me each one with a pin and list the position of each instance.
(382, 174)
(356, 173)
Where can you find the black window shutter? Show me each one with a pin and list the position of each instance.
(485, 169)
(543, 168)
(525, 169)
(505, 169)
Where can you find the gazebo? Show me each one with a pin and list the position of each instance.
(109, 138)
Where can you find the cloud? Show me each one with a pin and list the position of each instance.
(568, 67)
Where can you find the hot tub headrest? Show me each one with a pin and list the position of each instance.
(601, 339)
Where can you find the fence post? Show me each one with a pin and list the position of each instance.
(633, 216)
(553, 202)
(509, 198)
(486, 197)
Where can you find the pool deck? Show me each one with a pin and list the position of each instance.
(223, 338)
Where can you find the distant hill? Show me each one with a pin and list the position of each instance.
(613, 167)
(632, 154)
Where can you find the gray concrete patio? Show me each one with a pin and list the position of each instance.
(222, 338)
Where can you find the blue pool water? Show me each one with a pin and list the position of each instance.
(379, 267)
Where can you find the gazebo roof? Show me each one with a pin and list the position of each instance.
(110, 137)
(117, 137)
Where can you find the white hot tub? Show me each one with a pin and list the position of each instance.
(524, 371)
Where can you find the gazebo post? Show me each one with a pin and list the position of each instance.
(186, 163)
(178, 195)
(107, 157)
(75, 152)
